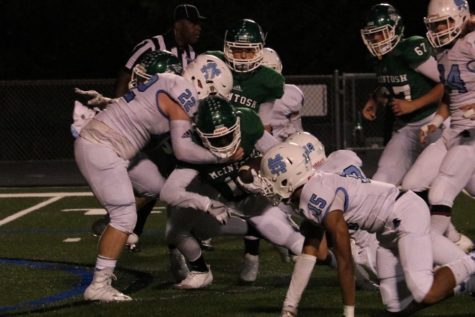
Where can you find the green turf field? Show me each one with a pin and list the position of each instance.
(44, 275)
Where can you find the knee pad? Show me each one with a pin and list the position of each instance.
(123, 218)
(394, 294)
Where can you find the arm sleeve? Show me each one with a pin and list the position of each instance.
(184, 147)
(266, 142)
(265, 112)
(174, 191)
(429, 69)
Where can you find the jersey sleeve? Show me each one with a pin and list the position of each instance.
(273, 81)
(252, 128)
(183, 93)
(416, 50)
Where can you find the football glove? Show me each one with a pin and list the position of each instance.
(93, 98)
(219, 211)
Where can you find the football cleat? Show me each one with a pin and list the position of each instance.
(465, 243)
(250, 268)
(178, 267)
(101, 289)
(196, 280)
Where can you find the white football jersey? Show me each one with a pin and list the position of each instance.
(341, 161)
(457, 69)
(137, 115)
(286, 112)
(367, 204)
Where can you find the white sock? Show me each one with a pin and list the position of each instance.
(103, 262)
(301, 275)
(439, 223)
(462, 268)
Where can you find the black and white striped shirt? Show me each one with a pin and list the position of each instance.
(161, 42)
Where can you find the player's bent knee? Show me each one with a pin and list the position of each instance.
(124, 219)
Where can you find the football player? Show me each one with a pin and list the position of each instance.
(448, 165)
(255, 86)
(409, 88)
(400, 219)
(208, 75)
(162, 104)
(222, 130)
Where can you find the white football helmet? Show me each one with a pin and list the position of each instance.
(286, 167)
(312, 146)
(272, 59)
(209, 75)
(445, 20)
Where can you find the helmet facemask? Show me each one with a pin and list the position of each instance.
(243, 65)
(243, 46)
(218, 126)
(445, 21)
(383, 29)
(223, 141)
(378, 47)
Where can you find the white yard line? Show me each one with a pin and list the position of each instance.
(72, 194)
(28, 210)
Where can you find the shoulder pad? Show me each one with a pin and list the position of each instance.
(415, 50)
(293, 97)
(182, 92)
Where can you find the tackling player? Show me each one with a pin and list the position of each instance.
(400, 219)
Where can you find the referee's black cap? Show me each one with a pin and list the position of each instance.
(188, 12)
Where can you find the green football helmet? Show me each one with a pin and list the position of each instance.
(218, 126)
(383, 29)
(243, 46)
(152, 63)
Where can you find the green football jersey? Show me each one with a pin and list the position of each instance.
(223, 176)
(256, 87)
(396, 72)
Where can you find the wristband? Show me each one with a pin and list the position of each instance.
(437, 120)
(348, 311)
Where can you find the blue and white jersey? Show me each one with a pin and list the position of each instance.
(367, 204)
(457, 71)
(133, 118)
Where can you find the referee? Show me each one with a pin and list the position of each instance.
(178, 40)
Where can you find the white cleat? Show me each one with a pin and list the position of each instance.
(465, 243)
(196, 280)
(101, 289)
(178, 266)
(250, 268)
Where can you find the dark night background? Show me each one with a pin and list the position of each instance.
(65, 39)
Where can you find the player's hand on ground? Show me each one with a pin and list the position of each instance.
(468, 111)
(219, 211)
(401, 106)
(92, 98)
